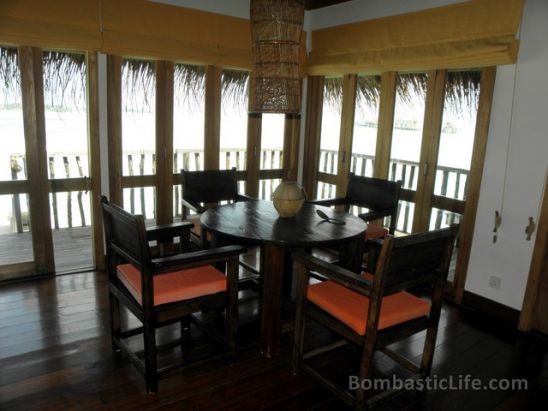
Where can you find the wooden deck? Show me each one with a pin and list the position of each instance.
(55, 354)
(72, 248)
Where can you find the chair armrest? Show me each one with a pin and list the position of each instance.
(375, 214)
(243, 197)
(335, 273)
(168, 231)
(197, 258)
(193, 206)
(329, 202)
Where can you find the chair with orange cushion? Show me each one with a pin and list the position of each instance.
(163, 291)
(203, 189)
(374, 311)
(380, 197)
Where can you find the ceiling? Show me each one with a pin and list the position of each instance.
(317, 4)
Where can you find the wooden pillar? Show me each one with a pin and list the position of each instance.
(433, 116)
(212, 128)
(312, 133)
(386, 124)
(34, 122)
(94, 162)
(164, 141)
(114, 123)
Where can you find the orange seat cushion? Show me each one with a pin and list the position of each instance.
(352, 308)
(176, 285)
(374, 231)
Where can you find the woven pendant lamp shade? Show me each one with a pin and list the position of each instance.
(276, 28)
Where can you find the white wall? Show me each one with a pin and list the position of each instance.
(515, 167)
(236, 8)
(360, 10)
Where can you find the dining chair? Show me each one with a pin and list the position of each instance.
(204, 189)
(374, 311)
(165, 290)
(380, 197)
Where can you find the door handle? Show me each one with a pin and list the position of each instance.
(530, 229)
(498, 222)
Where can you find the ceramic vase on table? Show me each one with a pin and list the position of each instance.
(288, 198)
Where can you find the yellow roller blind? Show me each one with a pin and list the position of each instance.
(470, 34)
(65, 24)
(146, 29)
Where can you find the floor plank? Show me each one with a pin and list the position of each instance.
(55, 354)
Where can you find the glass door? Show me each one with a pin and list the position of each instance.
(16, 248)
(65, 108)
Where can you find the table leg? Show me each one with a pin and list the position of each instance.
(351, 255)
(271, 304)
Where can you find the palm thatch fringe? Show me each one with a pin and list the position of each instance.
(64, 84)
(235, 88)
(461, 92)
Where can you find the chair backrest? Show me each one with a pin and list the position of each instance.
(375, 194)
(125, 234)
(210, 186)
(417, 259)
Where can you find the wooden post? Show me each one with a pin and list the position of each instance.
(386, 124)
(312, 133)
(346, 134)
(292, 127)
(254, 126)
(94, 160)
(164, 141)
(212, 127)
(35, 142)
(114, 108)
(433, 116)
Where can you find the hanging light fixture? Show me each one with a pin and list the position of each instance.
(276, 29)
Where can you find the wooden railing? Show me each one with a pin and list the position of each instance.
(450, 182)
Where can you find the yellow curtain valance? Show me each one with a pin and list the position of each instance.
(470, 34)
(62, 24)
(145, 29)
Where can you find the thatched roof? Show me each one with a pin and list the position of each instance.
(64, 84)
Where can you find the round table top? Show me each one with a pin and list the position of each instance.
(259, 222)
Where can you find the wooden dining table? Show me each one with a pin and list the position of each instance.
(257, 223)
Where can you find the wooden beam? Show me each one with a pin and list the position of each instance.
(535, 303)
(312, 133)
(292, 128)
(487, 87)
(212, 127)
(387, 105)
(164, 141)
(32, 88)
(114, 122)
(94, 162)
(433, 115)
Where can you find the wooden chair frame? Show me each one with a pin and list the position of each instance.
(127, 242)
(416, 260)
(203, 189)
(378, 195)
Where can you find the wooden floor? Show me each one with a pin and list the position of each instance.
(72, 248)
(55, 354)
